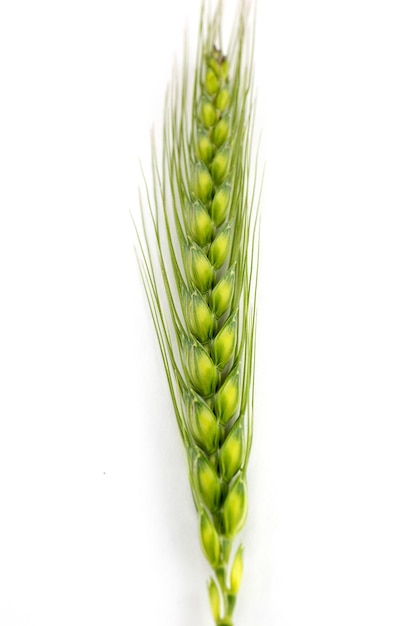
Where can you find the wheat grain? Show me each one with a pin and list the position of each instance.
(205, 229)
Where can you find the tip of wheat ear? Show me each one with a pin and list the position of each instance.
(204, 229)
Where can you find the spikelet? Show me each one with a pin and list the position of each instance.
(201, 287)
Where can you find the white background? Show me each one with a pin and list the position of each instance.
(97, 526)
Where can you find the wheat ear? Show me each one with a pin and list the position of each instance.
(201, 285)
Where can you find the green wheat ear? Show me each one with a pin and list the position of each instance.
(199, 263)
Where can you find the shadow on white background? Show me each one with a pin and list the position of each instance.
(96, 521)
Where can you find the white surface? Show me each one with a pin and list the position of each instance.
(96, 521)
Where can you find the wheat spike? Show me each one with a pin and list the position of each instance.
(201, 286)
